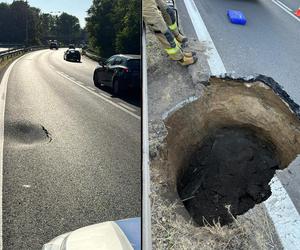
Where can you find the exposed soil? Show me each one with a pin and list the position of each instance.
(230, 170)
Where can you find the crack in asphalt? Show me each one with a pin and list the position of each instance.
(48, 134)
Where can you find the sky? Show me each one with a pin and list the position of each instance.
(76, 8)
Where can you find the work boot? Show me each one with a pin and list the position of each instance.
(186, 61)
(189, 53)
(181, 39)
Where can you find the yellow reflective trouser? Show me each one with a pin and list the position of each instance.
(156, 23)
(169, 16)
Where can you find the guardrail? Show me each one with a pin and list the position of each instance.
(7, 54)
(91, 54)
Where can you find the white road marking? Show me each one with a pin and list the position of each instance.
(214, 60)
(127, 107)
(284, 216)
(105, 95)
(280, 207)
(103, 98)
(284, 6)
(3, 91)
(285, 9)
(89, 87)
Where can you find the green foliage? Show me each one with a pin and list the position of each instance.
(20, 24)
(114, 26)
(68, 28)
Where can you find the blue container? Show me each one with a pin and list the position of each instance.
(236, 17)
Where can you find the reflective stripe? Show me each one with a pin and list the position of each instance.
(173, 26)
(172, 51)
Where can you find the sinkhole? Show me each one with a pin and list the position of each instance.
(227, 175)
(220, 151)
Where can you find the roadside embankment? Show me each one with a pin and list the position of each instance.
(215, 145)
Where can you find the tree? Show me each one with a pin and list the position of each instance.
(113, 26)
(48, 27)
(68, 28)
(100, 27)
(129, 29)
(20, 24)
(4, 18)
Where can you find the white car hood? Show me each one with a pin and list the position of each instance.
(103, 236)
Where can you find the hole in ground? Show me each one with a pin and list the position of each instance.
(232, 167)
(26, 133)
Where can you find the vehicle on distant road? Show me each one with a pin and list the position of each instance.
(72, 55)
(71, 46)
(120, 72)
(53, 45)
(117, 235)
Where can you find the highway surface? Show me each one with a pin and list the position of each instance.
(268, 44)
(72, 152)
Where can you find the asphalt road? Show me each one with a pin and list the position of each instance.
(268, 44)
(72, 153)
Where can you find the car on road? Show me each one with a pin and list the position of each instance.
(53, 45)
(72, 55)
(119, 72)
(71, 46)
(116, 235)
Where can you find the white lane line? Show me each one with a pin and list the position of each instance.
(214, 60)
(89, 87)
(127, 107)
(284, 6)
(284, 215)
(279, 206)
(103, 98)
(105, 95)
(287, 11)
(3, 91)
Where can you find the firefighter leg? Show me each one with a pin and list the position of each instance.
(169, 16)
(175, 53)
(153, 18)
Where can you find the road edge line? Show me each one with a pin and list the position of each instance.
(279, 200)
(285, 10)
(279, 205)
(3, 91)
(214, 60)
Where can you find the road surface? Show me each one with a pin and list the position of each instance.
(268, 44)
(72, 153)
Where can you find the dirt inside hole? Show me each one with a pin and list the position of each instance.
(232, 167)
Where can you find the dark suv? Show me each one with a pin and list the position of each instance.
(119, 72)
(72, 55)
(53, 45)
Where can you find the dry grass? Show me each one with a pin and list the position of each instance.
(170, 229)
(6, 62)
